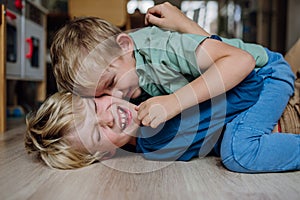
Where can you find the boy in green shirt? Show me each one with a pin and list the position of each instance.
(93, 58)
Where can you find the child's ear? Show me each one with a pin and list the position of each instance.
(125, 42)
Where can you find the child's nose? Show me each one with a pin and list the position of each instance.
(106, 119)
(117, 93)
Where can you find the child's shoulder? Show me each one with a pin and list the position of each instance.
(149, 33)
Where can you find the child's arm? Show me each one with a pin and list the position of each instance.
(220, 62)
(217, 58)
(170, 17)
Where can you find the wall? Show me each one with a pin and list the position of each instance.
(293, 23)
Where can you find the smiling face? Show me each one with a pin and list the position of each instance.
(120, 79)
(109, 123)
(109, 73)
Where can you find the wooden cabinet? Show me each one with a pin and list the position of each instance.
(26, 41)
(114, 11)
(2, 70)
(30, 51)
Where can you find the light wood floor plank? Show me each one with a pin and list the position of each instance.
(133, 178)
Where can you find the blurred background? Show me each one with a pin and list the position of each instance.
(31, 24)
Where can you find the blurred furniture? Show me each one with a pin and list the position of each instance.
(2, 71)
(137, 19)
(114, 11)
(26, 41)
(23, 53)
(292, 57)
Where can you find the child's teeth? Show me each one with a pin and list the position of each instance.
(123, 118)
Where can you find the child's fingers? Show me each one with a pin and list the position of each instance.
(142, 114)
(152, 122)
(142, 111)
(155, 10)
(155, 122)
(152, 19)
(146, 121)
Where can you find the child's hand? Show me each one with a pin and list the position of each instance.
(167, 16)
(157, 110)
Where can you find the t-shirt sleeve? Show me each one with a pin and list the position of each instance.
(165, 60)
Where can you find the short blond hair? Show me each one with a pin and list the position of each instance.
(73, 43)
(48, 128)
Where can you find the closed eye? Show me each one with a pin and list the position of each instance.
(95, 106)
(98, 136)
(111, 83)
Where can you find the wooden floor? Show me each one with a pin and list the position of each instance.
(134, 178)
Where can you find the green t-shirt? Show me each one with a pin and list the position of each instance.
(166, 60)
(257, 51)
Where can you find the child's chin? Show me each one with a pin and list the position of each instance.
(136, 94)
(131, 131)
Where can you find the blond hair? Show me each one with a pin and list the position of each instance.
(73, 43)
(48, 127)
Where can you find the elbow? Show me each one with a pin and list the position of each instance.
(249, 62)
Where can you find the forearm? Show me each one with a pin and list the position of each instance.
(217, 79)
(220, 77)
(193, 28)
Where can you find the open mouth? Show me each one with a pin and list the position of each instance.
(124, 119)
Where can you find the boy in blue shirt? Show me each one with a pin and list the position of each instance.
(239, 151)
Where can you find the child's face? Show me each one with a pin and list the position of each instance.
(120, 79)
(109, 124)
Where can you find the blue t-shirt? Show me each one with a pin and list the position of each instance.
(198, 130)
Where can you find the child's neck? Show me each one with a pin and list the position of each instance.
(132, 141)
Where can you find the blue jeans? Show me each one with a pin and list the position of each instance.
(248, 144)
